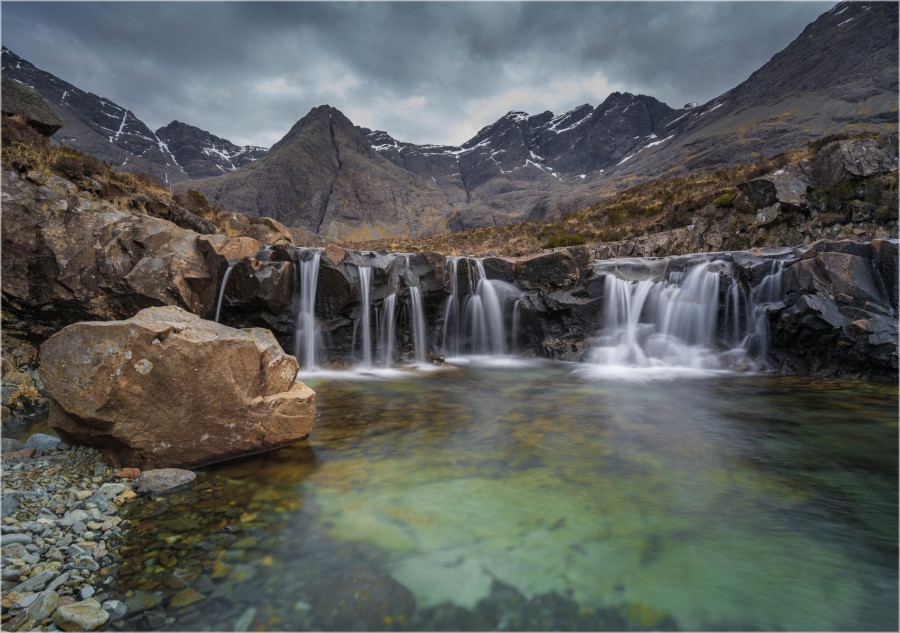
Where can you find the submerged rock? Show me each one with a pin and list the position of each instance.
(164, 480)
(169, 389)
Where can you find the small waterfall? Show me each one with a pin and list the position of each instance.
(365, 280)
(418, 323)
(416, 313)
(306, 334)
(450, 335)
(674, 322)
(477, 323)
(387, 329)
(222, 291)
(655, 324)
(516, 318)
(768, 291)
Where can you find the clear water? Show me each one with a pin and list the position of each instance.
(531, 497)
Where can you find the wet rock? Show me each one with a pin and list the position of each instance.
(164, 480)
(837, 317)
(44, 606)
(10, 445)
(87, 615)
(115, 608)
(128, 387)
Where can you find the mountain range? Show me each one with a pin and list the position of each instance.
(346, 182)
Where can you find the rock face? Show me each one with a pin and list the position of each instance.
(17, 97)
(839, 314)
(168, 389)
(68, 257)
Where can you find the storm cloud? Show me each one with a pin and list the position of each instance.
(426, 72)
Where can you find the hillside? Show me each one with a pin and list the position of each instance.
(839, 75)
(108, 131)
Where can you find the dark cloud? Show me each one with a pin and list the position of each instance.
(424, 71)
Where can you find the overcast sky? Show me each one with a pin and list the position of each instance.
(425, 72)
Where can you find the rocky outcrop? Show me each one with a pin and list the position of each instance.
(19, 98)
(168, 389)
(839, 312)
(22, 390)
(69, 257)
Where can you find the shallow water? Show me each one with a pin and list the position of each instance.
(533, 496)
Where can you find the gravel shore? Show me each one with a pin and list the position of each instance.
(61, 530)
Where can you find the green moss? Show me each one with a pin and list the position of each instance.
(564, 240)
(726, 200)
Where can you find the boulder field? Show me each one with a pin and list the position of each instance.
(167, 388)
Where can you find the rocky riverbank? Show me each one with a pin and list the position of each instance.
(61, 529)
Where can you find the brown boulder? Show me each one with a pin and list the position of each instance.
(169, 389)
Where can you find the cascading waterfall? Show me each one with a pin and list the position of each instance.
(306, 333)
(477, 323)
(418, 323)
(762, 296)
(516, 318)
(673, 323)
(387, 329)
(417, 313)
(365, 280)
(450, 334)
(222, 291)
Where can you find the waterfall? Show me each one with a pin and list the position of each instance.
(673, 322)
(477, 323)
(663, 323)
(762, 296)
(418, 323)
(516, 318)
(222, 291)
(416, 313)
(365, 280)
(387, 329)
(306, 334)
(450, 334)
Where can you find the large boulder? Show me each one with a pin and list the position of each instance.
(169, 389)
(19, 98)
(859, 158)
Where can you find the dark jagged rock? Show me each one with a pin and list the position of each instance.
(839, 313)
(17, 97)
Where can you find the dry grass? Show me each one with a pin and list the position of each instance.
(648, 208)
